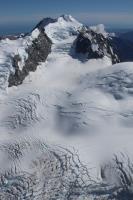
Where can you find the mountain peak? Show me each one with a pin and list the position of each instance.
(44, 22)
(60, 29)
(67, 18)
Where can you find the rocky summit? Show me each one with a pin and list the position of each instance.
(94, 43)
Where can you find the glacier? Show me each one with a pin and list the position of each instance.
(65, 122)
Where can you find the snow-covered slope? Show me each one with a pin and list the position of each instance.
(63, 33)
(21, 55)
(62, 126)
(65, 27)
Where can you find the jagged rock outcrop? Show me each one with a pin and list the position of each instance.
(93, 44)
(37, 52)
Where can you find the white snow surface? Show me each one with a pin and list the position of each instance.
(65, 27)
(35, 33)
(86, 106)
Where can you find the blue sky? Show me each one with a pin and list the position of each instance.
(113, 13)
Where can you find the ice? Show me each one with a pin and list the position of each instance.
(86, 106)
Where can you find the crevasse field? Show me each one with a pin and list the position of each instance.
(66, 107)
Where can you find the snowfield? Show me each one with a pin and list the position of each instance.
(85, 109)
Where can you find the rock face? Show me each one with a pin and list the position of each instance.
(93, 44)
(37, 52)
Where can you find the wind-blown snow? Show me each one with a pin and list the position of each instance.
(86, 106)
(99, 29)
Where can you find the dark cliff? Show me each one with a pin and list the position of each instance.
(94, 45)
(37, 52)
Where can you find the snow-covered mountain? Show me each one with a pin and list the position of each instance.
(21, 55)
(95, 42)
(65, 118)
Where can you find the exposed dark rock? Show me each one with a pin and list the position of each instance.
(118, 49)
(94, 45)
(37, 52)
